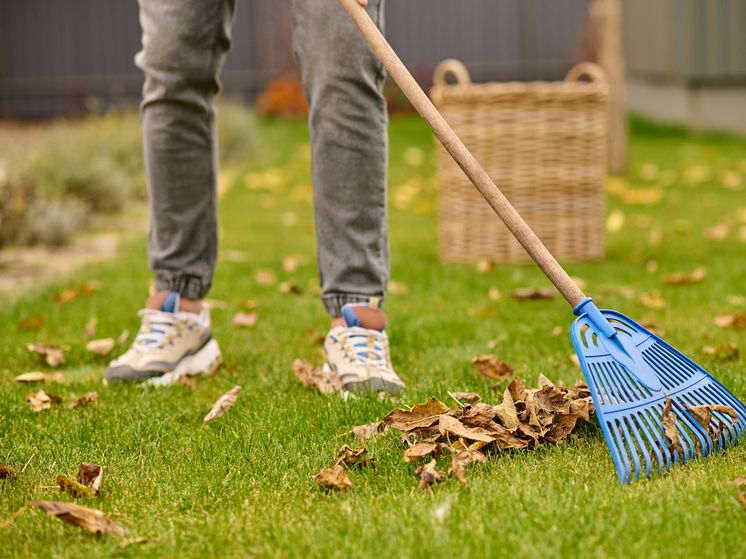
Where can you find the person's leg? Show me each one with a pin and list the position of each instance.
(184, 46)
(343, 80)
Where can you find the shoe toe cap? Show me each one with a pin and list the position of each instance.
(125, 373)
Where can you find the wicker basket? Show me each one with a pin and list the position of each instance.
(545, 146)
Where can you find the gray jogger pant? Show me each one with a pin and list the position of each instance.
(184, 46)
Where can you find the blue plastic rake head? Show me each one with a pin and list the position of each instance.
(630, 372)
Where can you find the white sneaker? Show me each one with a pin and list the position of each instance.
(170, 344)
(359, 351)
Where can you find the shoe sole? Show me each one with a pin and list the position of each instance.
(204, 362)
(374, 384)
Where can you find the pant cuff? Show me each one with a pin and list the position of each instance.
(188, 287)
(334, 303)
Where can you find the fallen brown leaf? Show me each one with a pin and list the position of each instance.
(101, 347)
(370, 430)
(351, 456)
(74, 292)
(717, 232)
(740, 481)
(265, 277)
(493, 294)
(450, 425)
(55, 376)
(731, 320)
(428, 475)
(32, 322)
(52, 355)
(469, 397)
(84, 400)
(529, 294)
(188, 381)
(460, 460)
(292, 262)
(652, 301)
(334, 478)
(491, 366)
(142, 539)
(669, 426)
(420, 450)
(123, 337)
(90, 475)
(223, 405)
(90, 519)
(397, 287)
(90, 328)
(245, 319)
(215, 304)
(7, 472)
(290, 287)
(724, 352)
(42, 401)
(327, 382)
(681, 278)
(484, 266)
(420, 416)
(250, 305)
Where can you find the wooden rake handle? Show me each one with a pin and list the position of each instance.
(461, 155)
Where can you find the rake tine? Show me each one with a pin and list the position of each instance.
(607, 429)
(624, 386)
(640, 446)
(724, 396)
(622, 453)
(656, 430)
(631, 447)
(658, 411)
(640, 420)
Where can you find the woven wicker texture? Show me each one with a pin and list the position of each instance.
(544, 144)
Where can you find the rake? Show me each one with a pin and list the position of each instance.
(656, 407)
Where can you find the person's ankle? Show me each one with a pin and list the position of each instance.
(337, 321)
(187, 305)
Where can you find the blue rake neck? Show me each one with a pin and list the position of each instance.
(632, 360)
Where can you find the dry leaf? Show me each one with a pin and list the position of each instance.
(739, 481)
(491, 366)
(652, 301)
(397, 287)
(724, 352)
(213, 304)
(290, 287)
(454, 427)
(717, 232)
(90, 519)
(84, 400)
(681, 278)
(75, 489)
(492, 344)
(32, 322)
(249, 305)
(265, 277)
(7, 472)
(420, 450)
(493, 294)
(101, 347)
(223, 405)
(485, 312)
(615, 221)
(74, 292)
(562, 426)
(42, 401)
(334, 478)
(90, 328)
(731, 319)
(669, 425)
(245, 319)
(419, 417)
(353, 456)
(292, 262)
(56, 376)
(529, 294)
(52, 355)
(370, 431)
(623, 290)
(460, 460)
(326, 380)
(90, 475)
(484, 266)
(123, 337)
(188, 381)
(142, 539)
(469, 397)
(428, 475)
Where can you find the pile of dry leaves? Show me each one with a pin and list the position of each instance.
(525, 418)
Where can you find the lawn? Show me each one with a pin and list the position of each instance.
(243, 485)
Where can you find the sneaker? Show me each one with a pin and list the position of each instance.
(359, 351)
(170, 344)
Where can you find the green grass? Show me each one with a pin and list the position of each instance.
(243, 485)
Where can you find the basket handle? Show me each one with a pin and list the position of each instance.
(451, 66)
(595, 72)
(461, 155)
